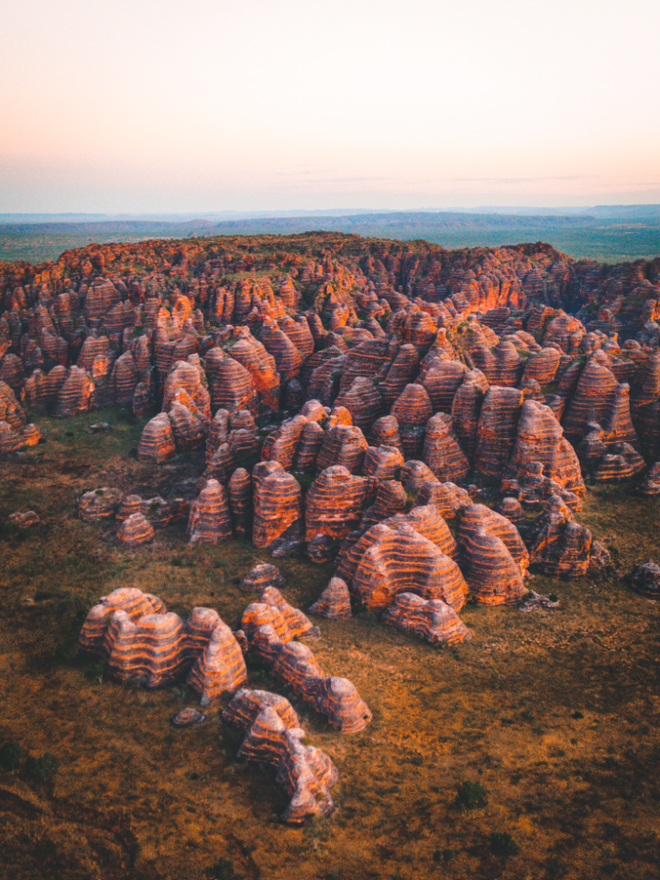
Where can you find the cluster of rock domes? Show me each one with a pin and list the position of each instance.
(142, 644)
(351, 397)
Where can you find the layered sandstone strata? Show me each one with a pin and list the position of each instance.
(334, 603)
(277, 500)
(209, 520)
(219, 670)
(563, 546)
(333, 504)
(272, 736)
(157, 441)
(135, 530)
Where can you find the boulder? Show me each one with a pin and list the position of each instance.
(430, 619)
(562, 547)
(645, 579)
(262, 576)
(135, 530)
(99, 504)
(334, 603)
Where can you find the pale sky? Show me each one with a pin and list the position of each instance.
(207, 105)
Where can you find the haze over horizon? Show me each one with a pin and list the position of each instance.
(141, 110)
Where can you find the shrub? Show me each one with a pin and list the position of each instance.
(41, 769)
(502, 844)
(10, 755)
(222, 870)
(471, 796)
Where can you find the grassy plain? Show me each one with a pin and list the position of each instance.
(555, 714)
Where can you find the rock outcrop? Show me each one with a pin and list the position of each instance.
(430, 619)
(272, 736)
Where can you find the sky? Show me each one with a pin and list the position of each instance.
(156, 106)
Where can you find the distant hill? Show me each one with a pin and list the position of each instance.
(611, 233)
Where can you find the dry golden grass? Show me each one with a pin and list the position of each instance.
(554, 713)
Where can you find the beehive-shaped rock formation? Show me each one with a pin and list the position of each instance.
(540, 438)
(427, 521)
(283, 444)
(11, 410)
(496, 432)
(157, 441)
(412, 410)
(240, 501)
(311, 440)
(339, 700)
(382, 462)
(363, 401)
(220, 670)
(231, 385)
(252, 355)
(391, 498)
(295, 665)
(342, 445)
(10, 440)
(542, 365)
(333, 505)
(477, 516)
(74, 395)
(187, 429)
(447, 498)
(563, 546)
(593, 398)
(288, 359)
(135, 530)
(621, 462)
(132, 601)
(262, 576)
(297, 624)
(149, 651)
(393, 560)
(385, 432)
(442, 451)
(209, 520)
(441, 381)
(334, 603)
(493, 576)
(400, 373)
(305, 773)
(429, 619)
(277, 500)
